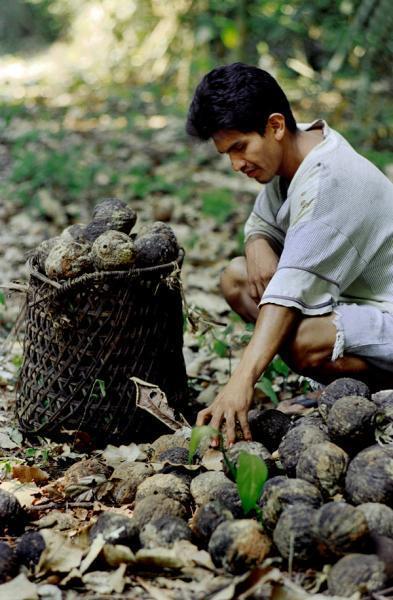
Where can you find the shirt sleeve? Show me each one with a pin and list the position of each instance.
(318, 262)
(262, 219)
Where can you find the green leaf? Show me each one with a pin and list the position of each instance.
(280, 366)
(198, 434)
(251, 476)
(2, 298)
(220, 348)
(266, 386)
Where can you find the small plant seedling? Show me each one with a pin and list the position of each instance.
(198, 434)
(250, 475)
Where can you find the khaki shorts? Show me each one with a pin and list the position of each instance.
(364, 331)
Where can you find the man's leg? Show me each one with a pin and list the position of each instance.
(310, 348)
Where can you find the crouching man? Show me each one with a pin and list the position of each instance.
(317, 276)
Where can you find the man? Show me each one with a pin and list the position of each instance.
(317, 277)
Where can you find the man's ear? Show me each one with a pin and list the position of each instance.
(277, 123)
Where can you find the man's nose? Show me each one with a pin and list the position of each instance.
(237, 163)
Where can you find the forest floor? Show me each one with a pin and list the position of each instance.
(56, 162)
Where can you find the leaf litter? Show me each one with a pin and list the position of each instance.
(64, 487)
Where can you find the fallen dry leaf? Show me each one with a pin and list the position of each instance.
(151, 398)
(59, 555)
(103, 582)
(26, 474)
(114, 456)
(116, 554)
(19, 588)
(26, 493)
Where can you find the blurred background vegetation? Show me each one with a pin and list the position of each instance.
(333, 58)
(80, 78)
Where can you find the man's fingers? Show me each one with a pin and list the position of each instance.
(243, 420)
(203, 416)
(216, 423)
(230, 428)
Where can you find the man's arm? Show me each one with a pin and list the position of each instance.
(273, 327)
(261, 260)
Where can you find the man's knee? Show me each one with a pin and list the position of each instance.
(310, 346)
(233, 279)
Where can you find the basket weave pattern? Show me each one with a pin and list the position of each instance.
(104, 326)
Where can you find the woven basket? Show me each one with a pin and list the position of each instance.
(100, 327)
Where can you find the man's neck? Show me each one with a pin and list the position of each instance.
(296, 148)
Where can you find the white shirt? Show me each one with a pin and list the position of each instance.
(335, 227)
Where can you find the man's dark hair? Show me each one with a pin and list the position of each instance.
(236, 96)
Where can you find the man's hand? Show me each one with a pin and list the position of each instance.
(231, 404)
(273, 326)
(261, 265)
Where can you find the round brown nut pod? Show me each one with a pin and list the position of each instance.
(164, 532)
(41, 253)
(345, 386)
(268, 426)
(161, 228)
(207, 518)
(74, 232)
(325, 466)
(295, 442)
(204, 486)
(314, 419)
(156, 506)
(363, 573)
(113, 251)
(166, 484)
(351, 422)
(68, 259)
(228, 495)
(126, 478)
(29, 548)
(379, 518)
(154, 249)
(281, 492)
(338, 529)
(254, 448)
(238, 545)
(384, 421)
(116, 214)
(166, 442)
(12, 515)
(379, 398)
(115, 529)
(7, 562)
(293, 534)
(370, 476)
(174, 456)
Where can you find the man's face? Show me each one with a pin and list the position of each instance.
(259, 157)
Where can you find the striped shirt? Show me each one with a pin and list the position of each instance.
(334, 227)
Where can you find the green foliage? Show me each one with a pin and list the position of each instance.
(198, 435)
(2, 298)
(62, 172)
(251, 475)
(40, 455)
(30, 23)
(218, 204)
(276, 368)
(251, 472)
(265, 385)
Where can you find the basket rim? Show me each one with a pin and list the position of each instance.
(62, 288)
